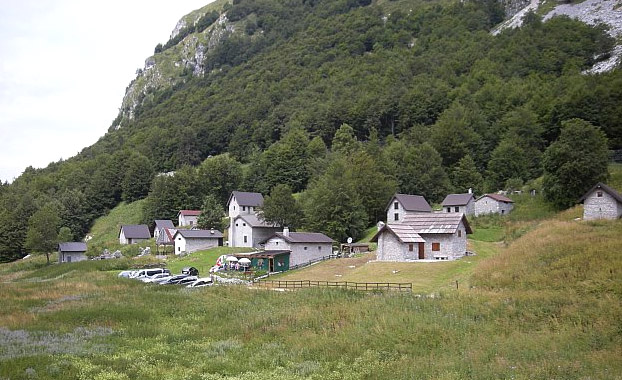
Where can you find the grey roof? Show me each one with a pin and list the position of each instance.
(72, 247)
(304, 237)
(199, 234)
(404, 232)
(497, 197)
(606, 189)
(457, 199)
(411, 202)
(163, 223)
(136, 231)
(254, 221)
(247, 199)
(436, 223)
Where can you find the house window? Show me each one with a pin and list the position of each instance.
(459, 233)
(319, 247)
(599, 194)
(396, 216)
(245, 239)
(276, 242)
(191, 222)
(243, 208)
(179, 238)
(244, 224)
(503, 211)
(436, 247)
(305, 248)
(236, 224)
(448, 209)
(396, 206)
(178, 249)
(411, 247)
(457, 209)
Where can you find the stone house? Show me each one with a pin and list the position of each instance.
(189, 241)
(460, 203)
(405, 204)
(134, 234)
(303, 246)
(161, 224)
(601, 202)
(493, 204)
(188, 218)
(71, 252)
(246, 228)
(432, 236)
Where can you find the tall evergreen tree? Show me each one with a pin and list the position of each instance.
(212, 214)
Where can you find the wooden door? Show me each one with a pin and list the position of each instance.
(271, 265)
(421, 251)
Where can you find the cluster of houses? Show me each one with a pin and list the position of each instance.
(413, 231)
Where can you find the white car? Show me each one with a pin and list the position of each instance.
(155, 278)
(201, 282)
(127, 274)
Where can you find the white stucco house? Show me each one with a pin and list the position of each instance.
(493, 204)
(71, 252)
(188, 218)
(161, 224)
(303, 246)
(406, 204)
(134, 234)
(432, 236)
(459, 203)
(601, 202)
(188, 241)
(246, 228)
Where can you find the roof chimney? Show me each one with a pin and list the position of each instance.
(211, 231)
(380, 224)
(470, 190)
(285, 231)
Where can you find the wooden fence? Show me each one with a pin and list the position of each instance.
(365, 286)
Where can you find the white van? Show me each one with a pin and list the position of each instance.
(151, 272)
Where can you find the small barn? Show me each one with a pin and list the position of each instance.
(188, 241)
(493, 204)
(161, 224)
(71, 252)
(434, 236)
(601, 202)
(188, 218)
(303, 246)
(134, 234)
(459, 203)
(406, 204)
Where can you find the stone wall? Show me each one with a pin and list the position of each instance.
(603, 207)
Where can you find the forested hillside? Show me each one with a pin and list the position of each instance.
(345, 101)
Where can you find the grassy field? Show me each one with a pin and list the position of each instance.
(549, 305)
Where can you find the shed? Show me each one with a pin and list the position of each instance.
(270, 261)
(189, 241)
(188, 218)
(134, 233)
(160, 224)
(601, 202)
(493, 204)
(69, 252)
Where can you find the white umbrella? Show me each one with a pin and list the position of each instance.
(231, 259)
(244, 261)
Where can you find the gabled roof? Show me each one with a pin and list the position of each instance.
(436, 223)
(411, 202)
(199, 234)
(254, 221)
(404, 232)
(166, 236)
(135, 231)
(303, 237)
(72, 247)
(497, 197)
(189, 212)
(247, 199)
(457, 199)
(604, 188)
(163, 223)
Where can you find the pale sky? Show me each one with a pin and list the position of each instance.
(64, 67)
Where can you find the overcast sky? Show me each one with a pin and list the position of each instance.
(64, 68)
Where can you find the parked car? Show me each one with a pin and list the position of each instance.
(155, 278)
(151, 272)
(201, 282)
(188, 280)
(173, 279)
(190, 271)
(126, 273)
